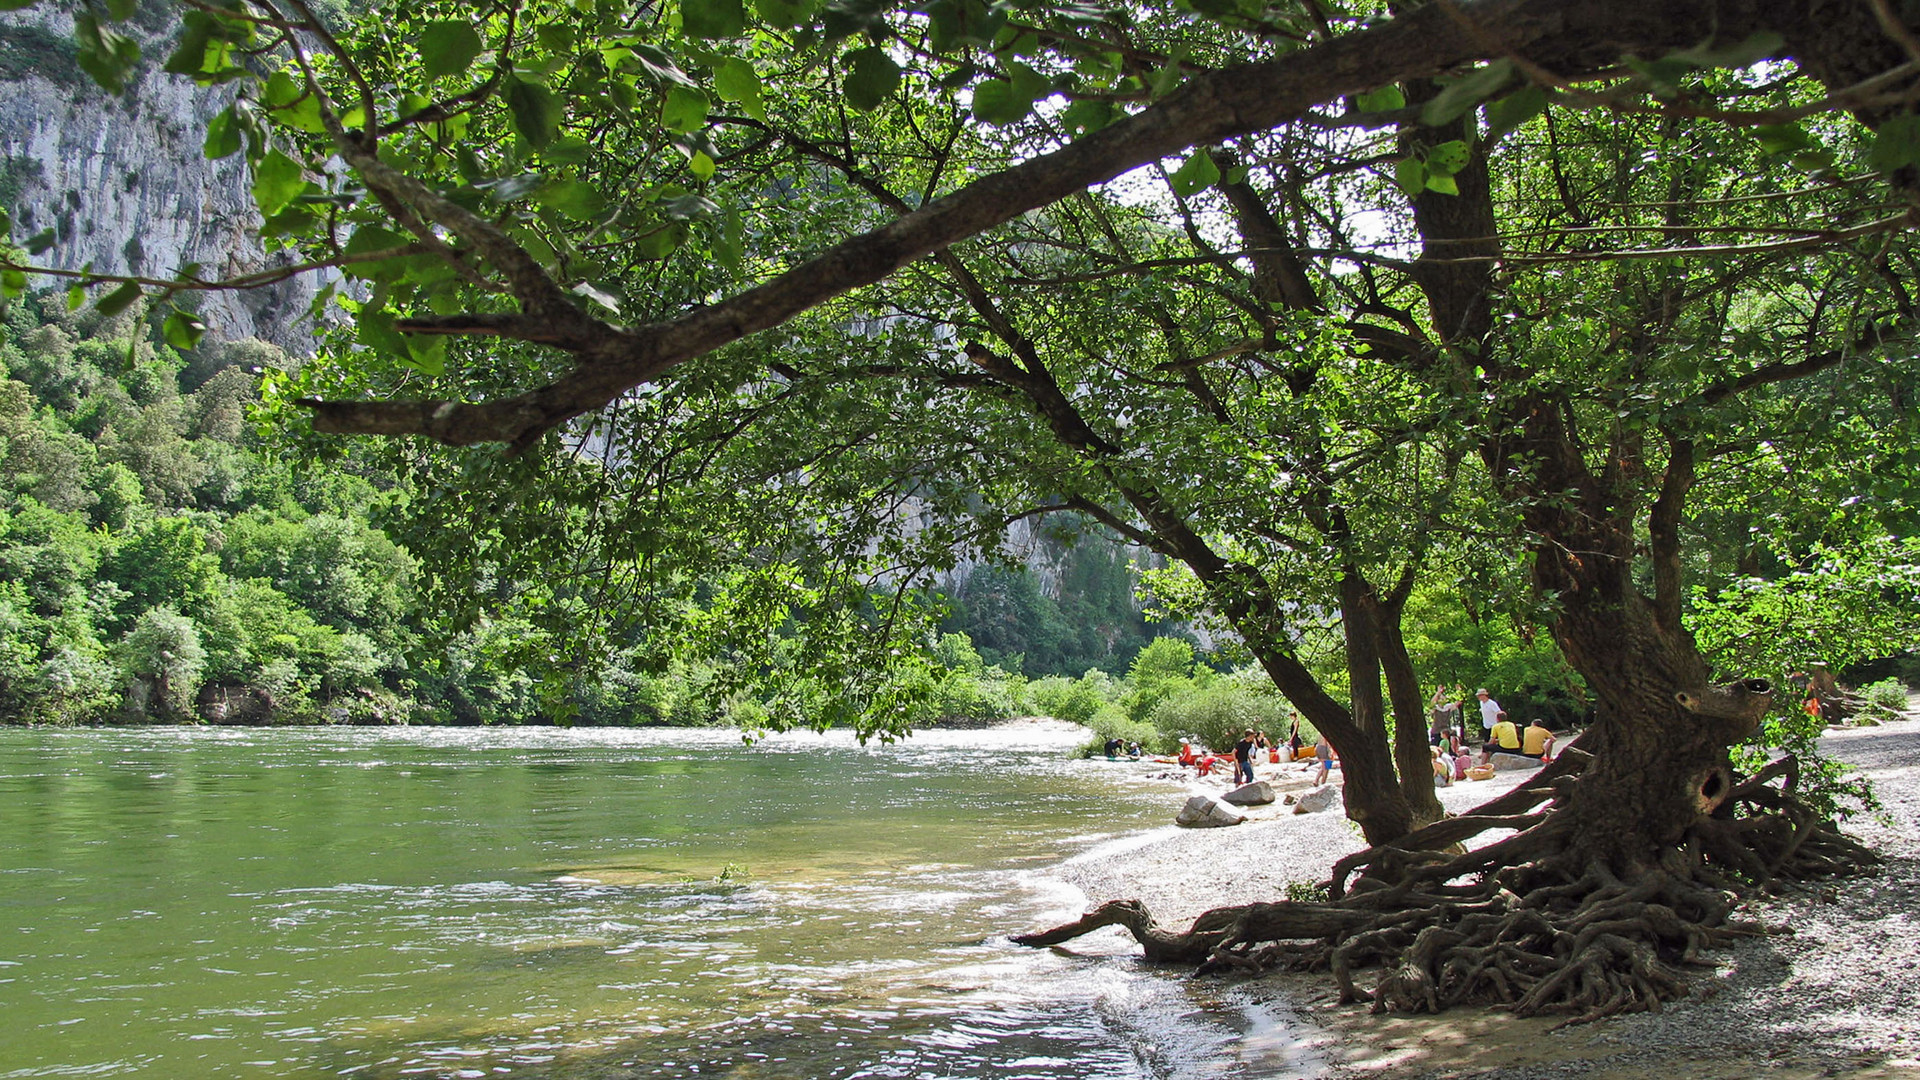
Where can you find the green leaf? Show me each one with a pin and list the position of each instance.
(598, 295)
(183, 330)
(729, 246)
(958, 24)
(661, 242)
(189, 57)
(575, 198)
(654, 64)
(1515, 109)
(1896, 144)
(736, 81)
(76, 297)
(537, 113)
(684, 109)
(40, 241)
(1196, 174)
(1783, 138)
(292, 104)
(1088, 115)
(276, 180)
(281, 89)
(118, 300)
(510, 188)
(426, 354)
(448, 48)
(872, 77)
(223, 135)
(994, 103)
(783, 14)
(1385, 99)
(1665, 73)
(1448, 158)
(701, 166)
(1466, 92)
(1445, 185)
(370, 238)
(1750, 50)
(712, 18)
(103, 53)
(13, 282)
(1410, 176)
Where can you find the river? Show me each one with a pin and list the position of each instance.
(544, 903)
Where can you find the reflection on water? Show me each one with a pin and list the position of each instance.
(538, 903)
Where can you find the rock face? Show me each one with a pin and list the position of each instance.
(1314, 801)
(1204, 813)
(122, 181)
(1258, 793)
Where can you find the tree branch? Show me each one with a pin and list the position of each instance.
(1570, 34)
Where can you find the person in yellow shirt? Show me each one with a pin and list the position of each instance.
(1503, 737)
(1537, 741)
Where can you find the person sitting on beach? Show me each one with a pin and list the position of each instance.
(1442, 770)
(1504, 738)
(1461, 760)
(1187, 756)
(1537, 741)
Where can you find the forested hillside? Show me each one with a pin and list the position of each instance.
(163, 557)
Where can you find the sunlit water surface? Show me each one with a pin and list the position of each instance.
(578, 904)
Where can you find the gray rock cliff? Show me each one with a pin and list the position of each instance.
(122, 181)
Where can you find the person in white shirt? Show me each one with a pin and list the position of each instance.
(1489, 709)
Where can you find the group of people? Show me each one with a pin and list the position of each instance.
(1253, 746)
(1453, 748)
(1452, 756)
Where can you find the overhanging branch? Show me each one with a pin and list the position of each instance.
(1571, 35)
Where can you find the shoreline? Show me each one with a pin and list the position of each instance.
(1837, 994)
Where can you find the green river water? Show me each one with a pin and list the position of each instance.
(544, 904)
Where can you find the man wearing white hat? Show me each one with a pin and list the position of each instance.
(1489, 709)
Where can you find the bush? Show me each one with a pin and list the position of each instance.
(1163, 669)
(1218, 714)
(1882, 701)
(1075, 700)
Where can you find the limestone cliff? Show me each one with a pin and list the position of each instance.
(122, 182)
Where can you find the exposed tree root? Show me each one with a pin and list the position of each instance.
(1530, 922)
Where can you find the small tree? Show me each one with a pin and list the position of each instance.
(162, 659)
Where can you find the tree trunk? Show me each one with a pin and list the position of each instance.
(1411, 750)
(1371, 790)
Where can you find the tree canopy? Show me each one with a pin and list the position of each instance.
(1563, 307)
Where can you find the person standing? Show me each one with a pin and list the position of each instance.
(1489, 710)
(1323, 760)
(1444, 712)
(1243, 759)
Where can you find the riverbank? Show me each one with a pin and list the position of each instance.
(1838, 995)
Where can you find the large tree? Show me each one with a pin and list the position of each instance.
(615, 192)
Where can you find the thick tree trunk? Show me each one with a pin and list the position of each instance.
(1411, 750)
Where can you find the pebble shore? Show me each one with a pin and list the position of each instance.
(1837, 993)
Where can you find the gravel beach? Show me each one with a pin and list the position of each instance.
(1836, 994)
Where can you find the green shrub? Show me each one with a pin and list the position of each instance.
(1217, 714)
(1075, 700)
(1111, 723)
(1882, 701)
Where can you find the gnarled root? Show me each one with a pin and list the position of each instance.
(1530, 922)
